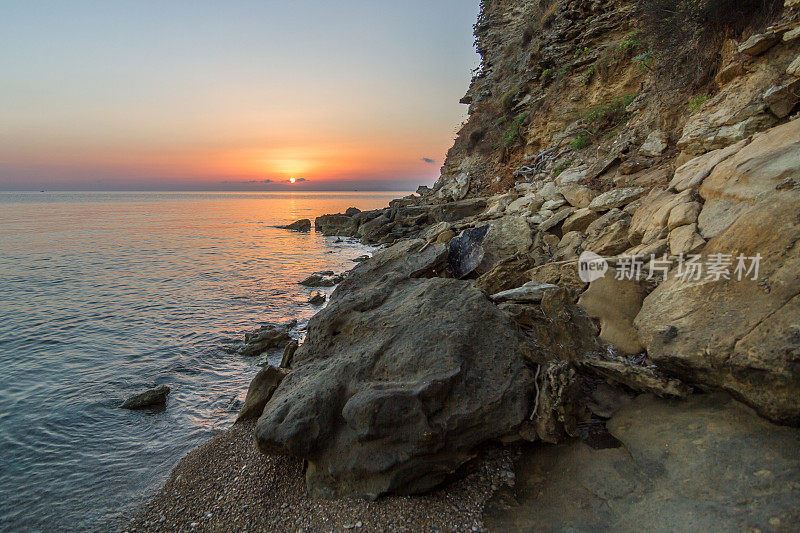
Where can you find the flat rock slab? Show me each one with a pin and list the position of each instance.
(704, 464)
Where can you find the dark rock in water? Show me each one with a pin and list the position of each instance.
(149, 398)
(260, 391)
(300, 225)
(360, 258)
(465, 252)
(265, 338)
(317, 299)
(322, 279)
(288, 354)
(380, 401)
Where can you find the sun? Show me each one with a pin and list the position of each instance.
(292, 180)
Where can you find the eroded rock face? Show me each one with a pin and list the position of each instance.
(741, 335)
(734, 114)
(769, 164)
(381, 399)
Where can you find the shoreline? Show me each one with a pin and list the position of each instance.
(226, 484)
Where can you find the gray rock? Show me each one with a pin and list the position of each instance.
(616, 198)
(150, 398)
(288, 354)
(655, 144)
(465, 251)
(341, 225)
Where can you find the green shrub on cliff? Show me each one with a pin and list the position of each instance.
(608, 114)
(561, 168)
(697, 101)
(513, 131)
(508, 100)
(581, 141)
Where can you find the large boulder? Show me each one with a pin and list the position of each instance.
(398, 382)
(740, 335)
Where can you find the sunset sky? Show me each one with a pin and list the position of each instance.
(233, 95)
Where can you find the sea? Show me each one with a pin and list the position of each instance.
(103, 295)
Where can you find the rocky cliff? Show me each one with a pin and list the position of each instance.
(658, 140)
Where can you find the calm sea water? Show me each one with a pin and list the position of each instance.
(105, 294)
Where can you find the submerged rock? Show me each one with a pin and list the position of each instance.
(149, 398)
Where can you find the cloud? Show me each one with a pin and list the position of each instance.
(297, 180)
(248, 181)
(428, 160)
